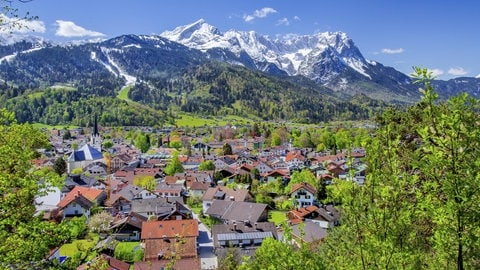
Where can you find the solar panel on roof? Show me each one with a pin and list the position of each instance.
(243, 236)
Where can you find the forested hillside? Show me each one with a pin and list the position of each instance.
(218, 89)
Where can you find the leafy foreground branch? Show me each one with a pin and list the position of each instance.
(419, 207)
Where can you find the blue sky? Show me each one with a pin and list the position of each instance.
(440, 35)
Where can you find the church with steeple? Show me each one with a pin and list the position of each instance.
(88, 154)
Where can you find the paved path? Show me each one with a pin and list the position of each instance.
(205, 245)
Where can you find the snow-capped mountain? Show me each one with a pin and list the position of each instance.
(329, 60)
(318, 57)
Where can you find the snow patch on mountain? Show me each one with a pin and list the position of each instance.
(10, 57)
(129, 78)
(291, 53)
(93, 56)
(132, 45)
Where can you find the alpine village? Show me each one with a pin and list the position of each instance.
(171, 152)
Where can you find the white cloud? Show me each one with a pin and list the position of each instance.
(478, 76)
(296, 18)
(393, 51)
(259, 13)
(436, 72)
(70, 29)
(457, 71)
(11, 25)
(283, 21)
(248, 18)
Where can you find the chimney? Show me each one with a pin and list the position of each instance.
(234, 226)
(255, 225)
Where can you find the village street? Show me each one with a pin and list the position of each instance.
(205, 245)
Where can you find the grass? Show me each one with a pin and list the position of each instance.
(50, 127)
(129, 251)
(128, 245)
(123, 94)
(277, 217)
(190, 120)
(77, 246)
(197, 210)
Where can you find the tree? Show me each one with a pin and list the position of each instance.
(206, 166)
(227, 149)
(141, 142)
(174, 166)
(147, 182)
(274, 254)
(13, 20)
(67, 135)
(304, 175)
(23, 237)
(100, 222)
(417, 208)
(107, 145)
(60, 166)
(450, 159)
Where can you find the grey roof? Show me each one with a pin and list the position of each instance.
(219, 195)
(309, 231)
(243, 230)
(160, 206)
(80, 180)
(232, 210)
(243, 236)
(130, 191)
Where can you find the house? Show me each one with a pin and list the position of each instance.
(245, 237)
(201, 146)
(303, 194)
(83, 180)
(295, 159)
(118, 161)
(158, 207)
(300, 214)
(308, 231)
(263, 168)
(122, 196)
(47, 203)
(273, 175)
(80, 200)
(225, 193)
(198, 189)
(127, 228)
(223, 162)
(166, 190)
(229, 211)
(163, 240)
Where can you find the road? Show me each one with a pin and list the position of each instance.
(205, 246)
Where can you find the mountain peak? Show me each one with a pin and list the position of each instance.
(193, 34)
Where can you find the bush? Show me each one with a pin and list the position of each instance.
(129, 252)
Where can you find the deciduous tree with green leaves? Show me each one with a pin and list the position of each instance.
(418, 207)
(23, 237)
(174, 166)
(206, 166)
(147, 182)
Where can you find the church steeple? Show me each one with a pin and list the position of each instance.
(95, 140)
(95, 126)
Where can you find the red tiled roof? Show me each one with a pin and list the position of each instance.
(91, 194)
(305, 186)
(292, 155)
(300, 213)
(169, 229)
